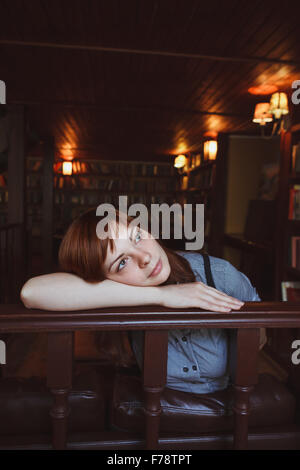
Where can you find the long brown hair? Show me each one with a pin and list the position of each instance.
(82, 253)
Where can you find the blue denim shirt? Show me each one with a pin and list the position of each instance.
(198, 358)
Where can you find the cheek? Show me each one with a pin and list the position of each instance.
(152, 246)
(129, 275)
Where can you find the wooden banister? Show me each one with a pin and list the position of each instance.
(156, 321)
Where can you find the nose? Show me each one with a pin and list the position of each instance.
(144, 258)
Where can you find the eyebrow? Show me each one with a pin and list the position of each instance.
(120, 256)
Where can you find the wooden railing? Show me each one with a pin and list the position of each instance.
(156, 321)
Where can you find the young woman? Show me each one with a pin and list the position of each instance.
(129, 268)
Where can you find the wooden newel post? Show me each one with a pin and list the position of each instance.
(59, 380)
(245, 379)
(155, 373)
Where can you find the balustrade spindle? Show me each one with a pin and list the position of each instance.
(59, 380)
(245, 378)
(155, 373)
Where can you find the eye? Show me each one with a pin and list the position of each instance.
(138, 234)
(124, 259)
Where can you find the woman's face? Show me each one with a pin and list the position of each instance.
(137, 259)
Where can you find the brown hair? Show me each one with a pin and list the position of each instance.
(82, 253)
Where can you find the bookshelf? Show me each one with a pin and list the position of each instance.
(287, 228)
(12, 234)
(93, 182)
(3, 199)
(39, 208)
(288, 221)
(197, 186)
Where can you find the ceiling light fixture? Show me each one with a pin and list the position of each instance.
(180, 161)
(262, 114)
(67, 168)
(279, 105)
(274, 111)
(210, 149)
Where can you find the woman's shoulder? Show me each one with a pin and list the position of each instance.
(226, 277)
(196, 259)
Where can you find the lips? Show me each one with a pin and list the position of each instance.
(157, 269)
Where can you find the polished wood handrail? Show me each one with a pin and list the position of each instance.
(15, 318)
(156, 321)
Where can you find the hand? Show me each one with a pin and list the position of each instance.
(197, 295)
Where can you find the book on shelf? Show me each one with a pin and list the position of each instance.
(184, 182)
(34, 164)
(3, 197)
(57, 167)
(105, 168)
(3, 218)
(60, 182)
(34, 181)
(296, 158)
(294, 252)
(59, 198)
(202, 180)
(77, 167)
(290, 291)
(3, 180)
(34, 197)
(117, 169)
(294, 202)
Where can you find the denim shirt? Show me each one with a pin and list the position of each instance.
(198, 358)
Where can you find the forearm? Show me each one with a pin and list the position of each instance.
(64, 291)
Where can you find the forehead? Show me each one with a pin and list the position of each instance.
(118, 229)
(120, 232)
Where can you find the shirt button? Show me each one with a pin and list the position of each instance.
(184, 338)
(194, 367)
(185, 369)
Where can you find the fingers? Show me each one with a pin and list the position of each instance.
(219, 301)
(220, 298)
(211, 306)
(216, 308)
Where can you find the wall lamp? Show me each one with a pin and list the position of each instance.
(274, 111)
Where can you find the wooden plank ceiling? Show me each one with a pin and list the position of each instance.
(133, 79)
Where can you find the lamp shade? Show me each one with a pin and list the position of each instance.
(262, 114)
(279, 104)
(180, 161)
(67, 168)
(210, 149)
